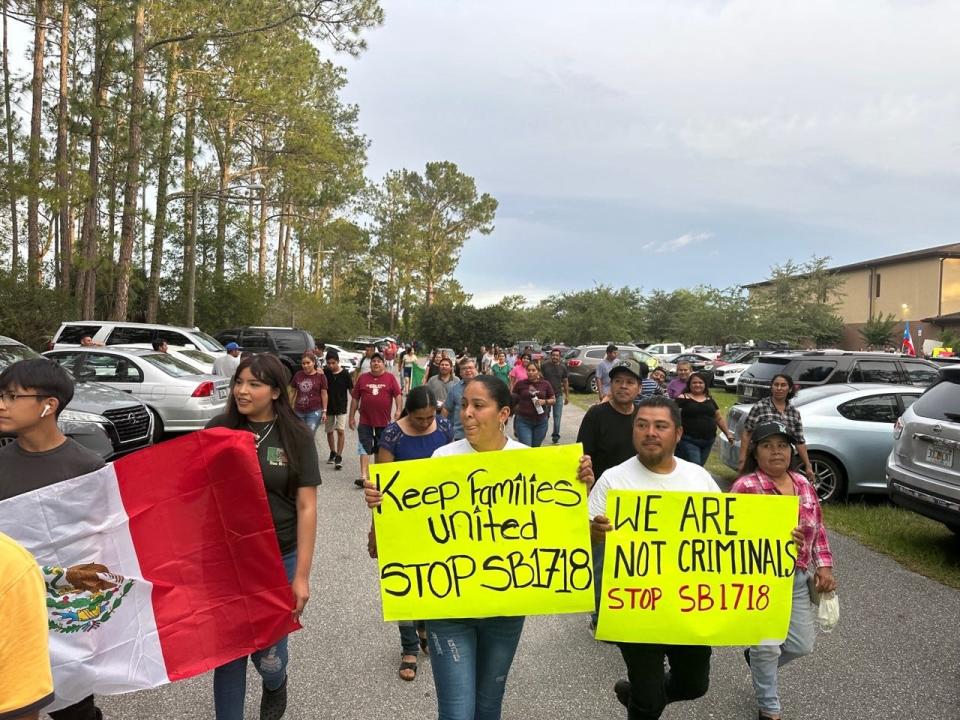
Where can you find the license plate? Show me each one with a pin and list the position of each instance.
(940, 456)
(222, 393)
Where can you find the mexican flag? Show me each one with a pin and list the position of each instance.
(160, 566)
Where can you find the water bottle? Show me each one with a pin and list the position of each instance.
(536, 405)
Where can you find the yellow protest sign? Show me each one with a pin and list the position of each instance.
(697, 568)
(484, 534)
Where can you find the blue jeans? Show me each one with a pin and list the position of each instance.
(557, 414)
(471, 659)
(230, 680)
(766, 659)
(310, 419)
(409, 638)
(529, 432)
(695, 450)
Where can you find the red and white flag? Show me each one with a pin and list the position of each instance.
(159, 566)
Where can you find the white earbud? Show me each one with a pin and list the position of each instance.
(46, 409)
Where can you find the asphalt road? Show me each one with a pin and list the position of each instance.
(895, 653)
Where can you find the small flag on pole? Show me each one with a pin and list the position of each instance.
(907, 347)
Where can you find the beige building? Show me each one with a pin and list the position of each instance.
(922, 286)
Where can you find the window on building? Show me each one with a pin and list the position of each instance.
(950, 287)
(878, 284)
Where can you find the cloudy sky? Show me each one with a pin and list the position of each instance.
(665, 143)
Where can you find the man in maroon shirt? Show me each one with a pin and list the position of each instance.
(374, 394)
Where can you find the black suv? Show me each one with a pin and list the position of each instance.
(287, 343)
(827, 367)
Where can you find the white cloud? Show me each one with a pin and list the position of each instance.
(491, 296)
(678, 243)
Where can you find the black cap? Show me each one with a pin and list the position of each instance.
(624, 366)
(769, 429)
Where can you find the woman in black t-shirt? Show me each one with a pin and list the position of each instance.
(700, 417)
(288, 461)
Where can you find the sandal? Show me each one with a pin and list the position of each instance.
(424, 643)
(405, 665)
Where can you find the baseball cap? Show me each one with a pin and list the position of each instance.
(769, 429)
(231, 346)
(623, 367)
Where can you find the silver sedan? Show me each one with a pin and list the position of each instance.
(849, 434)
(179, 397)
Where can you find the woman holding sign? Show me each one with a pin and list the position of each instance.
(471, 657)
(767, 472)
(416, 435)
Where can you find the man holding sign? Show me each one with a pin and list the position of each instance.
(656, 432)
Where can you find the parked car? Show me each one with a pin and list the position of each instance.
(923, 469)
(179, 398)
(726, 377)
(349, 359)
(104, 332)
(582, 361)
(740, 356)
(849, 432)
(661, 350)
(828, 367)
(201, 362)
(536, 349)
(697, 361)
(106, 421)
(710, 351)
(287, 343)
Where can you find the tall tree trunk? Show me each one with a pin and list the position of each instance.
(8, 120)
(281, 260)
(262, 248)
(226, 160)
(87, 280)
(128, 225)
(189, 217)
(63, 184)
(163, 178)
(33, 160)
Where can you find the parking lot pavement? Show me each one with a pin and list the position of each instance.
(895, 653)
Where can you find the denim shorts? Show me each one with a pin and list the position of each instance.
(369, 438)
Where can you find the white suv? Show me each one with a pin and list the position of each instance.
(108, 332)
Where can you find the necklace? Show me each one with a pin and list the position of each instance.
(262, 435)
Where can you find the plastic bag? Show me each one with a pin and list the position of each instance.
(828, 611)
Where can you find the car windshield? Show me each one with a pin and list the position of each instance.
(170, 365)
(765, 369)
(208, 342)
(9, 354)
(808, 395)
(199, 356)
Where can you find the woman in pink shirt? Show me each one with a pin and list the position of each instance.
(767, 472)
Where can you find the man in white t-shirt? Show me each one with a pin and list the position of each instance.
(656, 432)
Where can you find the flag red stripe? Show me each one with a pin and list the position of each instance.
(204, 537)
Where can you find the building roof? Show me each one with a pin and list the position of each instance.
(952, 250)
(948, 319)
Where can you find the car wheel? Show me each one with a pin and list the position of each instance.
(829, 482)
(592, 383)
(157, 426)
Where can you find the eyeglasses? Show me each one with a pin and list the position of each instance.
(8, 398)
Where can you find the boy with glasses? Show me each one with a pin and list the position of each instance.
(33, 393)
